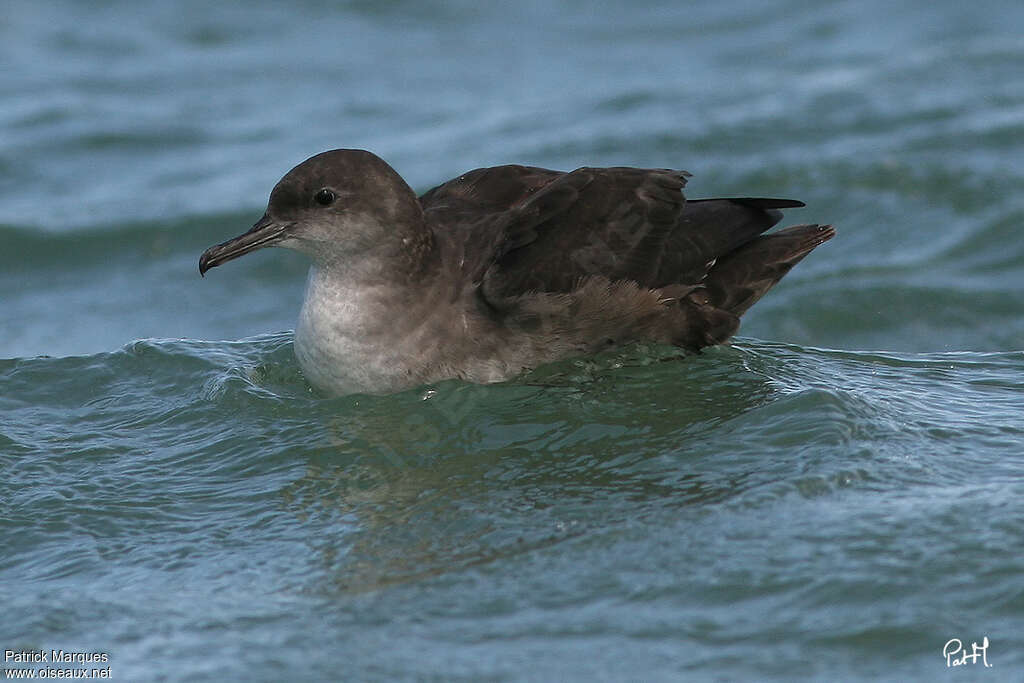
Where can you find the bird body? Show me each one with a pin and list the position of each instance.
(509, 267)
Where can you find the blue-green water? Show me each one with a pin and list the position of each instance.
(833, 497)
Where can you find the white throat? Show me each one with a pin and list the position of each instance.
(337, 339)
(361, 334)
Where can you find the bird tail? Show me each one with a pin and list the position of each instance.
(739, 279)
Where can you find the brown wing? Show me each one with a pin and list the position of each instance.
(472, 213)
(484, 192)
(623, 224)
(523, 229)
(613, 222)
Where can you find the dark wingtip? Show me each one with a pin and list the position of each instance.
(769, 203)
(755, 202)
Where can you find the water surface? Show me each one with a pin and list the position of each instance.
(833, 497)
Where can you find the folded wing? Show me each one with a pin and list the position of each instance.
(527, 229)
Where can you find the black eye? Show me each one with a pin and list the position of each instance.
(325, 197)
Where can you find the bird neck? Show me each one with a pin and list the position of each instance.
(362, 291)
(357, 323)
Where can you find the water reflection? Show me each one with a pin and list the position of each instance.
(459, 475)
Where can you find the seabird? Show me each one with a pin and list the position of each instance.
(506, 268)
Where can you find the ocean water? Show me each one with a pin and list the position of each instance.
(835, 496)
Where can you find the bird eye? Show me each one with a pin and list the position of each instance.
(325, 197)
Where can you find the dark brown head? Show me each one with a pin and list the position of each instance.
(334, 207)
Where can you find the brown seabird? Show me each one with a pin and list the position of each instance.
(506, 268)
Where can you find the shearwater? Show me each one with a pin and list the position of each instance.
(506, 268)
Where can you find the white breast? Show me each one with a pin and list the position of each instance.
(383, 338)
(338, 342)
